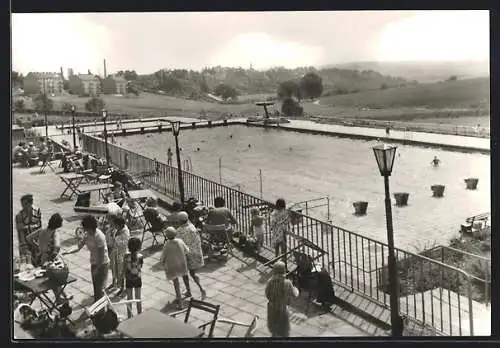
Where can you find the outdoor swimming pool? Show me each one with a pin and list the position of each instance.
(299, 167)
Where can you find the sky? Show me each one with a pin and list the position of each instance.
(148, 42)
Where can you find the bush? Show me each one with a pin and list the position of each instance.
(290, 107)
(19, 105)
(95, 104)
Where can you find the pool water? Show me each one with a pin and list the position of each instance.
(300, 167)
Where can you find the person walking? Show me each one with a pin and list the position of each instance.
(95, 240)
(132, 266)
(174, 261)
(279, 292)
(435, 161)
(120, 235)
(190, 236)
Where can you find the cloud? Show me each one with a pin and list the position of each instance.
(263, 51)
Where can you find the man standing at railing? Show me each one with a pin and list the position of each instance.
(169, 157)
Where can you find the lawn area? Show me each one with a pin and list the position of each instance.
(470, 93)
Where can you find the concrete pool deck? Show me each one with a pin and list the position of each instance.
(240, 294)
(453, 142)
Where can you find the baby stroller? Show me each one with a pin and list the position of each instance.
(216, 241)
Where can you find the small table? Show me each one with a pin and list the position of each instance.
(138, 195)
(155, 324)
(39, 287)
(94, 187)
(72, 181)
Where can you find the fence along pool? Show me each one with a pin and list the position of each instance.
(432, 294)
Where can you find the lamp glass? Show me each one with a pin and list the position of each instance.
(72, 108)
(104, 114)
(176, 127)
(385, 154)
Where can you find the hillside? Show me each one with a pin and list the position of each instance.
(193, 84)
(423, 71)
(460, 94)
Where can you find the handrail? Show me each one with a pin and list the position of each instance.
(343, 247)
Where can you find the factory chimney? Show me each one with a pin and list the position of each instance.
(104, 68)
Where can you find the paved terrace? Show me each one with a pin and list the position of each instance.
(238, 288)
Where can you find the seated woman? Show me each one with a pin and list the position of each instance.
(117, 195)
(152, 215)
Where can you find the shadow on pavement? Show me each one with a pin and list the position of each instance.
(69, 242)
(60, 200)
(151, 250)
(72, 218)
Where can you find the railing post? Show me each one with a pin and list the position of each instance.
(471, 314)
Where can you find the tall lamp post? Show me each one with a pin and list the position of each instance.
(176, 127)
(73, 121)
(104, 116)
(385, 154)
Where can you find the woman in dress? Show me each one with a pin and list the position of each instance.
(118, 248)
(279, 292)
(280, 220)
(189, 235)
(174, 261)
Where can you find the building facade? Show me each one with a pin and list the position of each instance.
(113, 84)
(43, 82)
(85, 84)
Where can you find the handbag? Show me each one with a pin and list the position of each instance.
(57, 272)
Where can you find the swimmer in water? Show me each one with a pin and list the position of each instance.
(231, 136)
(197, 149)
(290, 148)
(435, 161)
(249, 145)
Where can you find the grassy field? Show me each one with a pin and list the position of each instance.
(471, 93)
(462, 102)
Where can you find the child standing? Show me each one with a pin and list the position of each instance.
(257, 227)
(174, 261)
(119, 243)
(132, 266)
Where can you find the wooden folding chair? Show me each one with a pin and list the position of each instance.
(203, 306)
(251, 328)
(46, 162)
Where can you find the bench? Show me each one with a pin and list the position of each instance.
(469, 222)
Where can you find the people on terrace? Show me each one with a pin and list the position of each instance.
(174, 261)
(132, 266)
(188, 233)
(117, 247)
(220, 215)
(28, 220)
(48, 240)
(95, 240)
(117, 195)
(257, 227)
(280, 222)
(279, 292)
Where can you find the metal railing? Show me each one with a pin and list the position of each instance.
(433, 294)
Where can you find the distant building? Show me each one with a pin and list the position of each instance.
(114, 84)
(85, 84)
(43, 82)
(70, 72)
